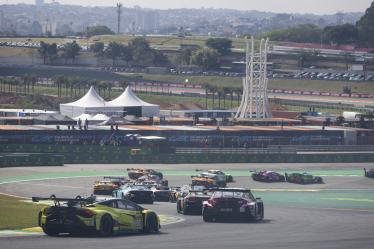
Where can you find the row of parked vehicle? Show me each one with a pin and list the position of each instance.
(347, 76)
(20, 44)
(30, 44)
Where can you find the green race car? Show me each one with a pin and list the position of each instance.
(303, 178)
(105, 218)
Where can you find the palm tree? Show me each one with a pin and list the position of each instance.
(76, 84)
(213, 90)
(231, 96)
(9, 85)
(25, 81)
(33, 80)
(17, 84)
(207, 88)
(226, 90)
(2, 81)
(109, 87)
(67, 85)
(60, 81)
(238, 93)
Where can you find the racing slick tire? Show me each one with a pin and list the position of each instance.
(151, 224)
(318, 180)
(45, 228)
(230, 179)
(178, 207)
(106, 226)
(262, 213)
(185, 211)
(206, 216)
(49, 231)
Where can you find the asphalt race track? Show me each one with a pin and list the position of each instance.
(337, 214)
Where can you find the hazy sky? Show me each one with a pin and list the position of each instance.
(287, 6)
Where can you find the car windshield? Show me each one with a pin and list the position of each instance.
(141, 187)
(200, 193)
(232, 194)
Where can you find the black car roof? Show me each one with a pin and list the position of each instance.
(233, 189)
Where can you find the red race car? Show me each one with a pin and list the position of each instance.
(233, 203)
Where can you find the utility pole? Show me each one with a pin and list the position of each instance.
(119, 6)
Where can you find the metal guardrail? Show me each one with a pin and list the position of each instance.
(276, 150)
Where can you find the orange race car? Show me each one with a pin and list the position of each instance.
(204, 182)
(135, 173)
(106, 186)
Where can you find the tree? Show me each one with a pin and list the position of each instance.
(142, 54)
(126, 54)
(113, 51)
(341, 34)
(300, 33)
(47, 52)
(71, 50)
(226, 91)
(60, 81)
(348, 58)
(43, 51)
(98, 48)
(33, 81)
(207, 58)
(159, 58)
(184, 57)
(98, 30)
(340, 120)
(222, 45)
(365, 28)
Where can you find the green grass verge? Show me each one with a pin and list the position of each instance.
(16, 214)
(156, 40)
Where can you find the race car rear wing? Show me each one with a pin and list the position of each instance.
(115, 178)
(244, 190)
(69, 201)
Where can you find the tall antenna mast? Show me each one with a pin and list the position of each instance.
(119, 6)
(255, 102)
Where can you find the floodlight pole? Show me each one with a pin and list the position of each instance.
(119, 6)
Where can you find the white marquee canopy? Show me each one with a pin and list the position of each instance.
(129, 100)
(91, 103)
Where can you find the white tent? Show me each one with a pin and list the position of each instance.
(133, 105)
(83, 117)
(100, 117)
(90, 103)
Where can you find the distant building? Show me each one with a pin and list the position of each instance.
(2, 21)
(39, 2)
(36, 28)
(147, 21)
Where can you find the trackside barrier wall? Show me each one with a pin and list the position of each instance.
(110, 154)
(37, 159)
